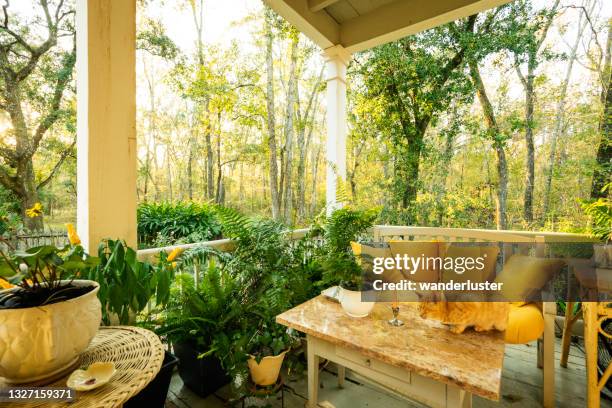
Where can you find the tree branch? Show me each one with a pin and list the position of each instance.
(64, 77)
(36, 53)
(57, 166)
(549, 20)
(517, 67)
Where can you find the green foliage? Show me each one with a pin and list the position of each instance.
(153, 39)
(455, 210)
(230, 312)
(127, 284)
(600, 212)
(271, 340)
(200, 312)
(180, 222)
(9, 212)
(337, 260)
(405, 85)
(268, 263)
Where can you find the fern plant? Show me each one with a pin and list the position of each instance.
(600, 212)
(338, 230)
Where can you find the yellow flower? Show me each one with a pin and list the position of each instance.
(174, 254)
(73, 237)
(4, 284)
(35, 211)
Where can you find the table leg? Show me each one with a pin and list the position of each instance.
(457, 398)
(589, 314)
(567, 333)
(313, 374)
(548, 353)
(341, 375)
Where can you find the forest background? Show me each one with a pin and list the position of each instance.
(501, 120)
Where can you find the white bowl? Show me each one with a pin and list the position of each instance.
(353, 305)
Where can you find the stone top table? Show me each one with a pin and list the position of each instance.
(424, 349)
(138, 355)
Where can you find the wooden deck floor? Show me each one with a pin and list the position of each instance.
(521, 388)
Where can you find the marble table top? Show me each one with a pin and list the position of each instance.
(472, 361)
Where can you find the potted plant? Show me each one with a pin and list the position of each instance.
(127, 285)
(267, 349)
(339, 264)
(49, 317)
(198, 318)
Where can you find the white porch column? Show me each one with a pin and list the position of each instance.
(336, 60)
(106, 121)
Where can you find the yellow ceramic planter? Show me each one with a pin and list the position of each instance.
(266, 372)
(40, 342)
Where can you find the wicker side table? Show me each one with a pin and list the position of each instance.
(138, 355)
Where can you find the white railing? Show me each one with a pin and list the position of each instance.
(382, 232)
(226, 245)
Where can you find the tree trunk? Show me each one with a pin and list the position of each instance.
(29, 197)
(528, 83)
(271, 122)
(530, 160)
(410, 169)
(219, 197)
(351, 174)
(407, 166)
(498, 145)
(560, 118)
(315, 170)
(601, 175)
(210, 183)
(190, 168)
(289, 131)
(447, 156)
(305, 122)
(169, 175)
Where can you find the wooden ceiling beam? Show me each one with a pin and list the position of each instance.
(318, 5)
(405, 17)
(319, 27)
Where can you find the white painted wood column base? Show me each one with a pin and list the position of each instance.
(336, 61)
(106, 121)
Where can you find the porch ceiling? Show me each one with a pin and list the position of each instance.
(361, 24)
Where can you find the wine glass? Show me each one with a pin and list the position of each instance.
(395, 309)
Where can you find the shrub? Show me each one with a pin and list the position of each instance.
(162, 224)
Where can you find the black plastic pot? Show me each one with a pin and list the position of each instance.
(154, 394)
(201, 375)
